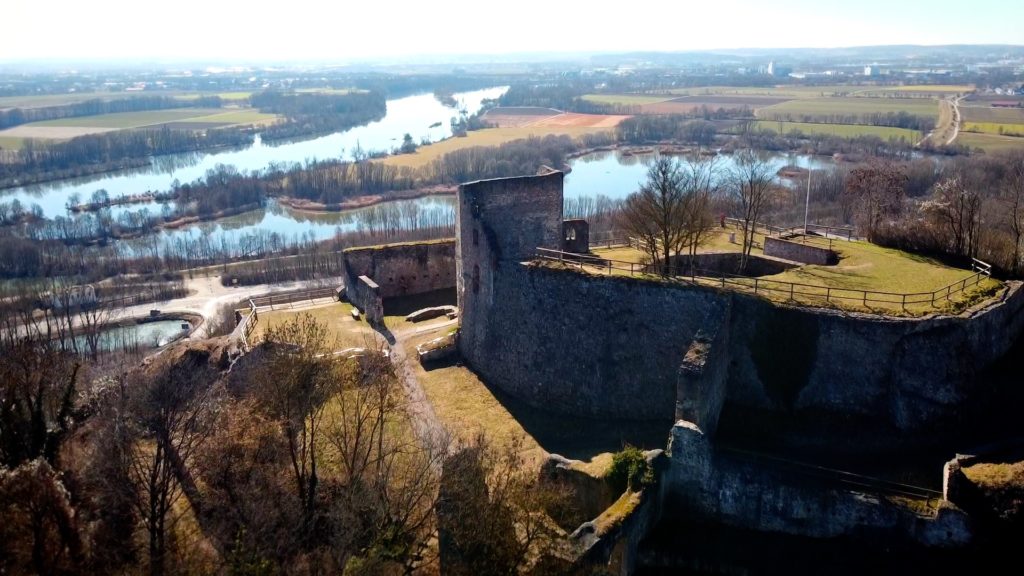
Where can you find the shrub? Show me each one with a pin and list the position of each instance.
(630, 470)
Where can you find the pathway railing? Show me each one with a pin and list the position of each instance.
(272, 300)
(247, 326)
(790, 291)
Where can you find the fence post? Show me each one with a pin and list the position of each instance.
(904, 302)
(865, 292)
(828, 294)
(755, 285)
(791, 287)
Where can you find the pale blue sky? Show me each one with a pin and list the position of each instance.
(344, 30)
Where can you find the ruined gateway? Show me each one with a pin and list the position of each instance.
(615, 347)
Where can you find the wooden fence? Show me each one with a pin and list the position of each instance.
(790, 291)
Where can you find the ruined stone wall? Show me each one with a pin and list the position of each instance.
(403, 269)
(705, 484)
(499, 223)
(364, 294)
(589, 345)
(576, 236)
(716, 264)
(907, 374)
(602, 346)
(798, 252)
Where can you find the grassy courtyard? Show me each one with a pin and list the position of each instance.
(884, 273)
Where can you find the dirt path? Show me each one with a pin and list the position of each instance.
(427, 426)
(948, 126)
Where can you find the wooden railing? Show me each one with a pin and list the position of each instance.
(272, 300)
(791, 291)
(248, 325)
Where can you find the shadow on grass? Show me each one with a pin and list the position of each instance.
(572, 436)
(405, 305)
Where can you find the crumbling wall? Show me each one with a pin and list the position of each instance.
(365, 295)
(798, 252)
(707, 484)
(603, 346)
(902, 374)
(403, 269)
(576, 236)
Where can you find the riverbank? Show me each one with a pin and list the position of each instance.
(358, 202)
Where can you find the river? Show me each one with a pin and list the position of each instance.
(421, 116)
(610, 174)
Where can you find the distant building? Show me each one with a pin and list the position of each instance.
(1006, 104)
(868, 71)
(771, 68)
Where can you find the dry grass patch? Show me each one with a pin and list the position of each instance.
(467, 406)
(337, 317)
(487, 137)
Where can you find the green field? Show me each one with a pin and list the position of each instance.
(11, 143)
(244, 116)
(221, 95)
(131, 119)
(990, 142)
(625, 99)
(843, 130)
(773, 91)
(994, 128)
(849, 106)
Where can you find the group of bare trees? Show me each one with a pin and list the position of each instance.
(296, 460)
(673, 212)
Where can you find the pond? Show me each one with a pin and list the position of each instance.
(139, 336)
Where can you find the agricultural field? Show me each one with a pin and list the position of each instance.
(839, 106)
(686, 104)
(625, 99)
(842, 130)
(180, 118)
(988, 120)
(424, 155)
(42, 101)
(990, 142)
(914, 91)
(787, 92)
(511, 117)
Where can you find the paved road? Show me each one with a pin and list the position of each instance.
(206, 295)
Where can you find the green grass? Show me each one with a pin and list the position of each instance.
(131, 119)
(849, 106)
(221, 95)
(11, 142)
(862, 266)
(337, 317)
(990, 142)
(773, 91)
(247, 116)
(843, 130)
(335, 91)
(625, 99)
(994, 128)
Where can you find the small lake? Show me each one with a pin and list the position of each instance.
(610, 174)
(616, 175)
(415, 115)
(143, 336)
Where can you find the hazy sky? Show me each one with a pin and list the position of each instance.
(344, 30)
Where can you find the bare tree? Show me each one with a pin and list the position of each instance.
(671, 211)
(751, 187)
(958, 207)
(299, 376)
(876, 191)
(38, 385)
(1013, 195)
(491, 511)
(164, 420)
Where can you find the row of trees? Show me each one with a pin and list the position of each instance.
(672, 213)
(15, 116)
